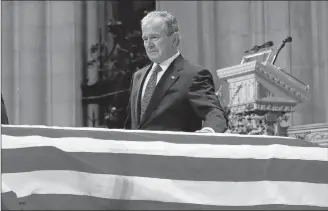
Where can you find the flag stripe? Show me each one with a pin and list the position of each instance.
(178, 191)
(169, 167)
(4, 187)
(172, 137)
(64, 168)
(73, 202)
(169, 149)
(9, 201)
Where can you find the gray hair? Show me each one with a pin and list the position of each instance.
(171, 23)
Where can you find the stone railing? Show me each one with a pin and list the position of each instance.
(316, 133)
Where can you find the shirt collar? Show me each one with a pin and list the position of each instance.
(164, 65)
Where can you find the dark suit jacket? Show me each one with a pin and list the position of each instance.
(183, 98)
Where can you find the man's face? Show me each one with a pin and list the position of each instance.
(158, 45)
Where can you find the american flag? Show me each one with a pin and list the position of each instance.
(57, 168)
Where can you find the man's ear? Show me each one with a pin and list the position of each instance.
(176, 39)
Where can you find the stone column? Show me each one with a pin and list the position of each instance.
(319, 28)
(64, 62)
(24, 65)
(92, 30)
(42, 63)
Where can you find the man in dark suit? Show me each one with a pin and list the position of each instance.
(171, 94)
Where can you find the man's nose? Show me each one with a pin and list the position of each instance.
(150, 44)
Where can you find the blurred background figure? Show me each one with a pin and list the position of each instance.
(4, 117)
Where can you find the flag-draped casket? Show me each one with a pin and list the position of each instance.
(56, 168)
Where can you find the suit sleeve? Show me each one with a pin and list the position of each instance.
(205, 103)
(127, 123)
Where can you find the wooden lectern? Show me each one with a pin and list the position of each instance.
(261, 95)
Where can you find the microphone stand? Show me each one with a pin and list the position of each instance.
(288, 39)
(276, 55)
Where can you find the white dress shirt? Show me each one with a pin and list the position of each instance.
(164, 65)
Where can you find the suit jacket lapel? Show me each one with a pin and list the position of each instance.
(137, 98)
(170, 76)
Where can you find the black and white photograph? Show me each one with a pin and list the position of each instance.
(164, 105)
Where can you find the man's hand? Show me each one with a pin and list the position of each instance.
(205, 130)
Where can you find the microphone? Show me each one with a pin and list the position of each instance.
(266, 45)
(287, 40)
(256, 47)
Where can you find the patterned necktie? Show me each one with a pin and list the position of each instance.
(149, 90)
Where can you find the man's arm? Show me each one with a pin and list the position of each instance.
(205, 103)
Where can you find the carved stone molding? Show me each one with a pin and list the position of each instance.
(237, 70)
(316, 133)
(262, 107)
(268, 123)
(283, 84)
(319, 138)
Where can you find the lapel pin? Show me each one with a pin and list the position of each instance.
(172, 77)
